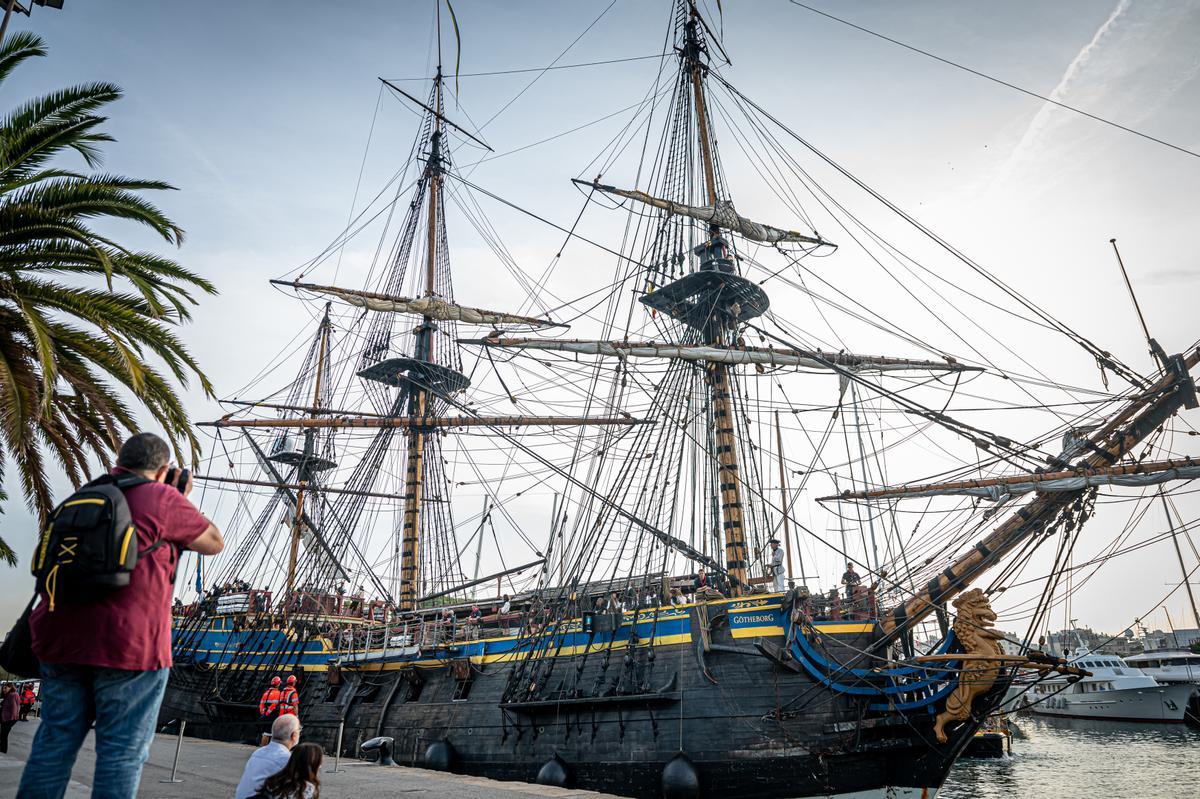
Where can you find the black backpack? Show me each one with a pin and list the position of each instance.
(89, 547)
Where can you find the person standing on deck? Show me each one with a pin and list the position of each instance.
(775, 566)
(105, 662)
(706, 587)
(473, 622)
(268, 703)
(851, 579)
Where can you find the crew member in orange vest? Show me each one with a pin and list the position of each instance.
(289, 699)
(269, 704)
(27, 701)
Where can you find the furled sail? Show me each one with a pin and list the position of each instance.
(766, 356)
(722, 214)
(421, 306)
(1137, 475)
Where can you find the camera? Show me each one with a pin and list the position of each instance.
(178, 478)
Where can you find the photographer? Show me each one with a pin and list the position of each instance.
(106, 660)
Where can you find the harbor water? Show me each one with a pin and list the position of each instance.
(1083, 759)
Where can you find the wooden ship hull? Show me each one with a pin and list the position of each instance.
(749, 697)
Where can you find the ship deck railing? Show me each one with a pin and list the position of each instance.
(353, 626)
(427, 633)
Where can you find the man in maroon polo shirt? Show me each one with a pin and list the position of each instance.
(107, 662)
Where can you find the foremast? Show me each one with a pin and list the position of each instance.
(308, 464)
(412, 384)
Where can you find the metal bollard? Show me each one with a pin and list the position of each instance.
(337, 753)
(178, 746)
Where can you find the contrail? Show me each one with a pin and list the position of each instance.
(1041, 118)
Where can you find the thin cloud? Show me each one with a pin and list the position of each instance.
(1031, 138)
(1165, 276)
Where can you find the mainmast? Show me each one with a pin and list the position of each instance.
(691, 53)
(418, 406)
(718, 331)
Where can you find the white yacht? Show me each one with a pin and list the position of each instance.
(1115, 690)
(1173, 667)
(1168, 665)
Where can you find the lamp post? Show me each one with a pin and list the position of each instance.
(12, 5)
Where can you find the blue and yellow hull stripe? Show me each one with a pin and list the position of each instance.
(219, 644)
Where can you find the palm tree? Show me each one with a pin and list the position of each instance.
(81, 316)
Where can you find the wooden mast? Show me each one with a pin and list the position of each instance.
(294, 548)
(729, 479)
(414, 477)
(710, 177)
(305, 465)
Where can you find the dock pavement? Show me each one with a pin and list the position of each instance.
(211, 770)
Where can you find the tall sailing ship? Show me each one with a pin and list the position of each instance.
(642, 646)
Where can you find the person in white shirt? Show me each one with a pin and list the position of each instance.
(775, 568)
(270, 759)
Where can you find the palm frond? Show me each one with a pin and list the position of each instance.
(16, 48)
(70, 352)
(105, 196)
(39, 334)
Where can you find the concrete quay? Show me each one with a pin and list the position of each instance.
(210, 770)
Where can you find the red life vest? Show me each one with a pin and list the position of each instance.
(289, 701)
(269, 702)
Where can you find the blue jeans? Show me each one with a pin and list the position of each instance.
(124, 706)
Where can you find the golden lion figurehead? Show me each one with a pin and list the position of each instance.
(973, 606)
(976, 635)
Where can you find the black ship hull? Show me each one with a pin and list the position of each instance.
(749, 723)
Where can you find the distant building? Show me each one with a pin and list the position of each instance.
(1069, 640)
(1011, 645)
(1175, 639)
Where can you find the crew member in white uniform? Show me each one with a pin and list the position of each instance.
(776, 565)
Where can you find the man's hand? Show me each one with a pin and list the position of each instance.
(178, 478)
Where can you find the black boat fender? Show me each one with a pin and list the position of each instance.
(680, 780)
(441, 755)
(553, 772)
(700, 642)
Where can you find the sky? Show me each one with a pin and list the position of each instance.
(265, 115)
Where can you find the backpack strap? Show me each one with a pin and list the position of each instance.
(125, 481)
(162, 542)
